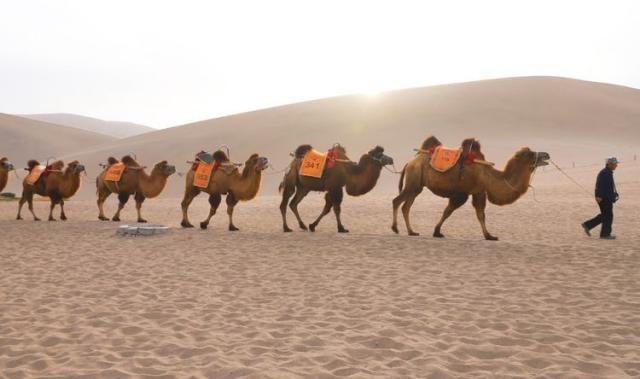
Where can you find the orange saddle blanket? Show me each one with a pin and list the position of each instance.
(443, 158)
(313, 164)
(203, 174)
(114, 172)
(34, 175)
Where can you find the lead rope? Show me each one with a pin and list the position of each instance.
(570, 178)
(394, 170)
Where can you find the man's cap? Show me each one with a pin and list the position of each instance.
(612, 160)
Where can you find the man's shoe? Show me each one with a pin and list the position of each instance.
(608, 237)
(586, 229)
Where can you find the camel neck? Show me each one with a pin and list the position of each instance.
(69, 183)
(247, 185)
(361, 178)
(152, 185)
(507, 186)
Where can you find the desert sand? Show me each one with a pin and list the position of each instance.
(545, 301)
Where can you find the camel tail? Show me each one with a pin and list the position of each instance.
(281, 186)
(401, 183)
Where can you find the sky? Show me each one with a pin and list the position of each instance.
(167, 63)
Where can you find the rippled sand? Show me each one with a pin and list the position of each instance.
(545, 301)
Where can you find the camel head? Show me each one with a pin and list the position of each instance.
(378, 157)
(164, 169)
(257, 162)
(5, 164)
(75, 167)
(533, 159)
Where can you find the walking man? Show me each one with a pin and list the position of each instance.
(606, 195)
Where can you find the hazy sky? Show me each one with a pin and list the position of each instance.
(165, 63)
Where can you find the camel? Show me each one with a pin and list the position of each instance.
(480, 181)
(358, 178)
(134, 181)
(235, 185)
(58, 185)
(5, 167)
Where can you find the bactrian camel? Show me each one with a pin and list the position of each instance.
(480, 181)
(57, 183)
(236, 185)
(134, 181)
(358, 178)
(5, 167)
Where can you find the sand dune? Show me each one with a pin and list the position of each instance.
(22, 139)
(573, 120)
(118, 129)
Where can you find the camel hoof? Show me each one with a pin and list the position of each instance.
(490, 238)
(142, 221)
(115, 219)
(52, 219)
(102, 218)
(232, 228)
(438, 235)
(394, 228)
(203, 225)
(413, 234)
(36, 219)
(302, 226)
(18, 218)
(287, 230)
(343, 230)
(312, 227)
(185, 224)
(63, 218)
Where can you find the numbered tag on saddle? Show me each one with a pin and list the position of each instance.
(114, 172)
(313, 164)
(35, 174)
(203, 174)
(443, 159)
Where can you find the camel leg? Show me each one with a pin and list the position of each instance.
(301, 192)
(123, 197)
(455, 202)
(102, 197)
(325, 211)
(30, 200)
(406, 198)
(214, 200)
(287, 191)
(189, 195)
(139, 200)
(336, 197)
(480, 203)
(231, 203)
(53, 205)
(23, 200)
(63, 216)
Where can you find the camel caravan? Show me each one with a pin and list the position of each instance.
(452, 173)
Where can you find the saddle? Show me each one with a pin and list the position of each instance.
(315, 163)
(35, 173)
(443, 159)
(206, 164)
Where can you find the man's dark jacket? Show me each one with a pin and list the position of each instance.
(605, 187)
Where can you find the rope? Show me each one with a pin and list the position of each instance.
(274, 171)
(570, 178)
(394, 170)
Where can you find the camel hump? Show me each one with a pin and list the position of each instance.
(302, 150)
(57, 165)
(111, 161)
(32, 163)
(430, 142)
(471, 144)
(129, 161)
(220, 156)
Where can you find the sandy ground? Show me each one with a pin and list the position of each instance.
(77, 301)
